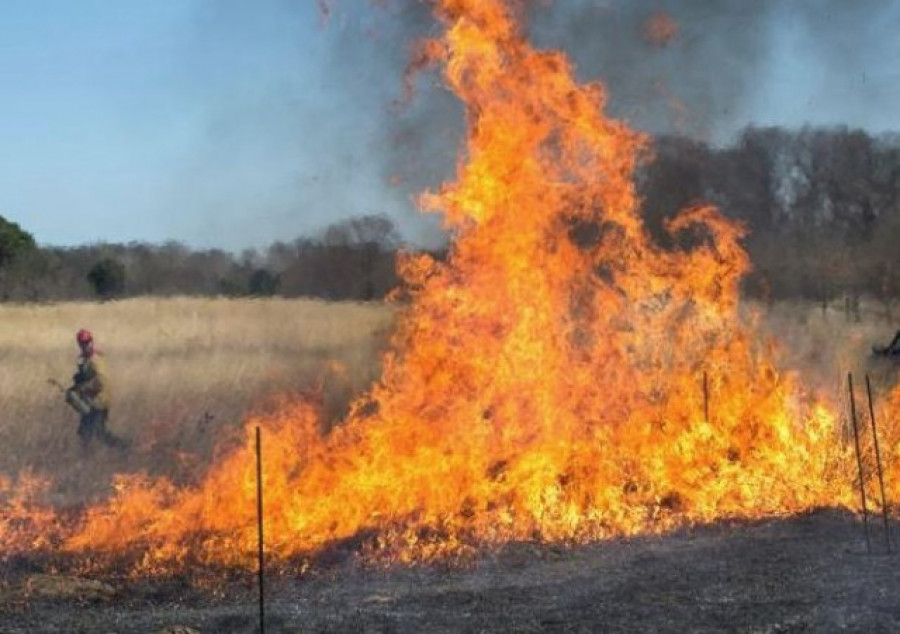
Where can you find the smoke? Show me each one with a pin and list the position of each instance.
(696, 85)
(339, 134)
(300, 121)
(827, 65)
(419, 122)
(732, 63)
(711, 68)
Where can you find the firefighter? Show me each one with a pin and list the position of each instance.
(91, 386)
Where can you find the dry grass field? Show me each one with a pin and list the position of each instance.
(184, 373)
(822, 346)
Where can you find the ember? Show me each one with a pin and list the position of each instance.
(660, 29)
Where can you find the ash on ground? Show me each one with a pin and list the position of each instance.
(809, 573)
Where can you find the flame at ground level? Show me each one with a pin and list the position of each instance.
(545, 381)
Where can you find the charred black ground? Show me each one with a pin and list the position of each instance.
(808, 573)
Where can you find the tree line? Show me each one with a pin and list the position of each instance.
(351, 259)
(822, 206)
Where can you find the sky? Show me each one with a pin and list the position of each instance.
(231, 124)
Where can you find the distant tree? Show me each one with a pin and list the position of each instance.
(262, 283)
(25, 277)
(375, 229)
(232, 285)
(673, 181)
(107, 278)
(14, 241)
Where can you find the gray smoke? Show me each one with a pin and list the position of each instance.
(734, 62)
(311, 125)
(731, 63)
(696, 85)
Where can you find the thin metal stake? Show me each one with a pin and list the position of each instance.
(884, 508)
(862, 483)
(705, 397)
(259, 525)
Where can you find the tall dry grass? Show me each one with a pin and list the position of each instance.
(184, 373)
(822, 346)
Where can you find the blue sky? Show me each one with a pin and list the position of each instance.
(230, 124)
(199, 121)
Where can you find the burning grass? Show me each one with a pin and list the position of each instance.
(543, 381)
(41, 511)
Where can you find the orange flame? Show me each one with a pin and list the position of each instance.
(545, 380)
(25, 524)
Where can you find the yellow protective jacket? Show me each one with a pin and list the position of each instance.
(92, 381)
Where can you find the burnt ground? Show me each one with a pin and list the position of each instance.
(802, 574)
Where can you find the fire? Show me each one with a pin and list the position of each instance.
(25, 523)
(546, 380)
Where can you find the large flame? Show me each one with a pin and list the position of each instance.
(546, 380)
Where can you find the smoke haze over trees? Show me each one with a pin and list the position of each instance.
(822, 206)
(256, 120)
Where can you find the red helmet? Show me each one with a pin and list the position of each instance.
(84, 337)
